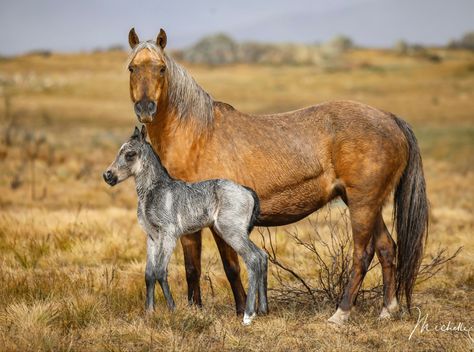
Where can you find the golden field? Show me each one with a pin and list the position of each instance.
(72, 254)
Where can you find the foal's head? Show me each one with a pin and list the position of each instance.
(129, 159)
(147, 66)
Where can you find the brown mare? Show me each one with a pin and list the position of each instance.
(296, 161)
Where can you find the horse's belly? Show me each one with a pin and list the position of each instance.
(290, 204)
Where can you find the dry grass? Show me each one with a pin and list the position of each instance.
(72, 255)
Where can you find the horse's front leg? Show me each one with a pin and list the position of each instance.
(150, 277)
(192, 261)
(164, 251)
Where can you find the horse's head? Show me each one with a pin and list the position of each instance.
(147, 68)
(128, 161)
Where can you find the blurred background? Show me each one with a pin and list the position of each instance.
(72, 255)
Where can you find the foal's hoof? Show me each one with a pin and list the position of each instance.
(248, 319)
(339, 318)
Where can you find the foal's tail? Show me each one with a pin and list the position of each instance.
(255, 210)
(411, 213)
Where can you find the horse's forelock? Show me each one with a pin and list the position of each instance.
(190, 102)
(155, 51)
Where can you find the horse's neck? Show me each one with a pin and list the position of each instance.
(177, 143)
(151, 174)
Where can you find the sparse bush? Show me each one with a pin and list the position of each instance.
(466, 42)
(221, 49)
(329, 246)
(213, 50)
(401, 47)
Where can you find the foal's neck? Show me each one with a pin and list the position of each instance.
(151, 173)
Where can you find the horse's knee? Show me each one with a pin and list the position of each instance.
(193, 274)
(263, 259)
(362, 260)
(386, 250)
(161, 275)
(150, 277)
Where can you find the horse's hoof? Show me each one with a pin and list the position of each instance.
(248, 319)
(384, 314)
(339, 318)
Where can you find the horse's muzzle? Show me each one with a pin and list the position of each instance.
(145, 110)
(110, 178)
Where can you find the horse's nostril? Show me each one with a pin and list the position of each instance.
(151, 107)
(138, 107)
(107, 175)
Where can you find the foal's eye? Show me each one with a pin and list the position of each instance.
(162, 70)
(130, 155)
(130, 68)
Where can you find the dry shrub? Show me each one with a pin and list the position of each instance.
(328, 243)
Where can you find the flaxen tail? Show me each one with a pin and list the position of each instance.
(411, 214)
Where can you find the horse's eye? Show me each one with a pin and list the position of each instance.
(130, 68)
(162, 70)
(130, 155)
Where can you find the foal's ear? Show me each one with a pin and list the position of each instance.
(133, 38)
(136, 133)
(161, 39)
(143, 133)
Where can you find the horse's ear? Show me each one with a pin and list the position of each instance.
(161, 39)
(143, 133)
(133, 38)
(136, 133)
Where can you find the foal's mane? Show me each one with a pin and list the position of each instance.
(189, 101)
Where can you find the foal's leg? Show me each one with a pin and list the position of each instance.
(363, 226)
(386, 249)
(253, 263)
(164, 245)
(262, 284)
(159, 250)
(230, 261)
(237, 235)
(192, 245)
(150, 278)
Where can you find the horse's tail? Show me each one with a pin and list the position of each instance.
(255, 210)
(411, 214)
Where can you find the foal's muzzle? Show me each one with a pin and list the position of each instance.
(145, 110)
(110, 178)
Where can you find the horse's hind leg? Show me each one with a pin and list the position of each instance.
(363, 221)
(230, 261)
(235, 234)
(385, 249)
(262, 283)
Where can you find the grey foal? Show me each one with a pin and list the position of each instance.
(169, 208)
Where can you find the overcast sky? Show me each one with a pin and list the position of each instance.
(87, 24)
